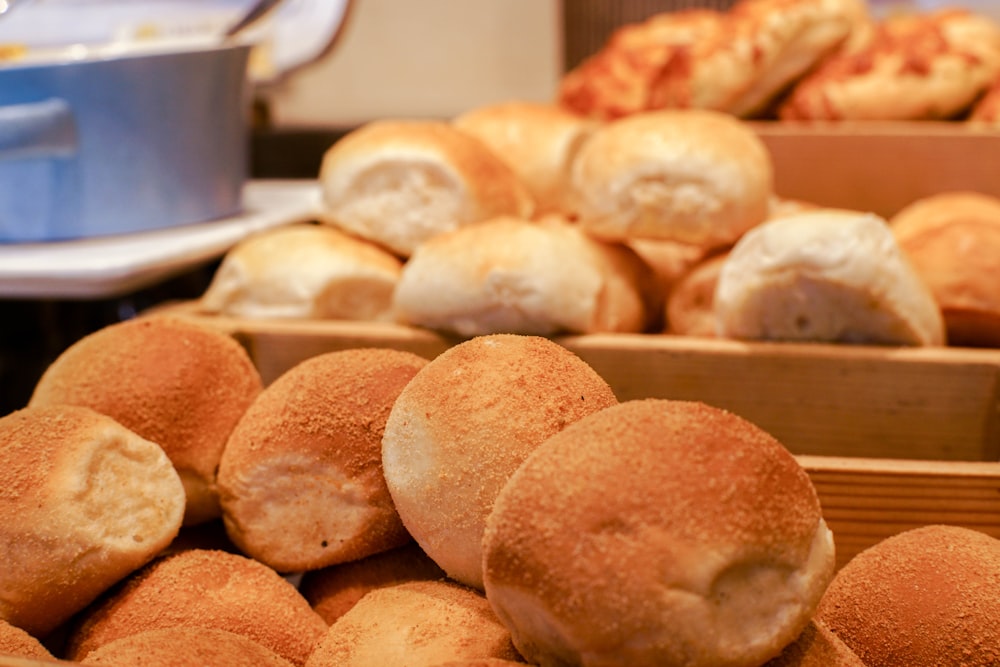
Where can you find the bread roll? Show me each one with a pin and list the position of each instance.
(83, 502)
(510, 275)
(913, 66)
(185, 647)
(986, 110)
(333, 590)
(942, 209)
(829, 275)
(301, 479)
(304, 271)
(816, 647)
(418, 624)
(464, 424)
(206, 589)
(657, 532)
(179, 384)
(401, 182)
(926, 596)
(15, 641)
(697, 177)
(537, 141)
(691, 302)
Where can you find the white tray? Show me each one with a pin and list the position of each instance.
(114, 265)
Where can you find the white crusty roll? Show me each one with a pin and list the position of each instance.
(537, 141)
(400, 182)
(177, 383)
(418, 624)
(825, 276)
(657, 532)
(510, 275)
(464, 423)
(300, 480)
(207, 589)
(83, 503)
(693, 176)
(304, 271)
(925, 597)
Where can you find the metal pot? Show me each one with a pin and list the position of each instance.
(120, 141)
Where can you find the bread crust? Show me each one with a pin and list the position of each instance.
(301, 480)
(692, 176)
(17, 642)
(817, 646)
(400, 182)
(183, 646)
(696, 538)
(179, 384)
(83, 503)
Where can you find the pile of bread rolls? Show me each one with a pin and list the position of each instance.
(525, 218)
(493, 505)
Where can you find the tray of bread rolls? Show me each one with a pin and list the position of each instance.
(638, 378)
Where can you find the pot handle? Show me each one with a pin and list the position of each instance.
(37, 129)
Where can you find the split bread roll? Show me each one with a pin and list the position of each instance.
(510, 275)
(693, 176)
(84, 502)
(418, 624)
(304, 271)
(825, 276)
(911, 66)
(464, 423)
(657, 532)
(206, 589)
(953, 240)
(925, 597)
(301, 480)
(185, 647)
(179, 384)
(537, 141)
(400, 182)
(333, 590)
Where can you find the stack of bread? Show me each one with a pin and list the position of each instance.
(496, 504)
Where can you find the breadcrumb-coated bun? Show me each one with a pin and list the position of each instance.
(693, 176)
(185, 647)
(418, 624)
(203, 588)
(301, 480)
(657, 532)
(84, 502)
(179, 384)
(925, 597)
(400, 182)
(464, 423)
(304, 271)
(817, 647)
(333, 590)
(17, 642)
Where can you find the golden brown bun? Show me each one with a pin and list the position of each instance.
(926, 597)
(333, 590)
(953, 240)
(209, 589)
(178, 384)
(418, 624)
(816, 647)
(304, 271)
(400, 182)
(83, 503)
(15, 641)
(185, 647)
(537, 141)
(697, 177)
(912, 66)
(464, 424)
(301, 479)
(825, 275)
(510, 275)
(657, 532)
(691, 302)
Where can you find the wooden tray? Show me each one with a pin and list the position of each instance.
(893, 438)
